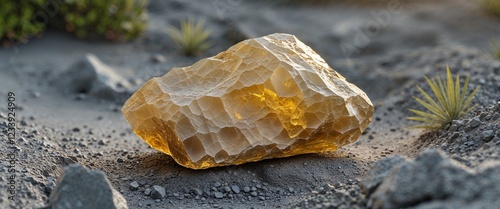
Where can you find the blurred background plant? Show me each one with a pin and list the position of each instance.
(192, 37)
(18, 22)
(495, 48)
(114, 20)
(492, 6)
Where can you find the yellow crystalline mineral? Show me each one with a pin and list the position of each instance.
(263, 98)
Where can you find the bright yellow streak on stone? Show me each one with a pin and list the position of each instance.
(263, 98)
(290, 111)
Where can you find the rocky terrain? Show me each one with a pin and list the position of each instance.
(61, 122)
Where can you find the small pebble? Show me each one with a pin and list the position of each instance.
(217, 184)
(158, 192)
(236, 189)
(134, 186)
(474, 122)
(147, 191)
(487, 135)
(197, 191)
(218, 195)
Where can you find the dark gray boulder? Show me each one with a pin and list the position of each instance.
(80, 188)
(380, 170)
(433, 181)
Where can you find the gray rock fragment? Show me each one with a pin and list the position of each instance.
(487, 135)
(91, 76)
(474, 122)
(147, 192)
(456, 124)
(380, 170)
(134, 186)
(434, 181)
(217, 184)
(218, 195)
(235, 188)
(246, 189)
(79, 187)
(158, 192)
(49, 186)
(197, 191)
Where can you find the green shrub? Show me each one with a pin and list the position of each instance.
(191, 38)
(450, 102)
(110, 19)
(492, 6)
(18, 21)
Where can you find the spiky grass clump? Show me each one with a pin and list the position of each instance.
(450, 102)
(495, 48)
(192, 38)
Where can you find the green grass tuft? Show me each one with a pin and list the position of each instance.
(495, 49)
(450, 102)
(192, 38)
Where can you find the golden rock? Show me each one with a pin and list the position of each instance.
(263, 98)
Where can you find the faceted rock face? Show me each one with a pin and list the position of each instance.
(263, 98)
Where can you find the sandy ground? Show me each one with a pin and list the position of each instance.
(56, 129)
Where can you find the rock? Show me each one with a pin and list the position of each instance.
(134, 186)
(487, 135)
(434, 181)
(197, 191)
(235, 188)
(263, 98)
(158, 58)
(455, 125)
(79, 187)
(379, 171)
(91, 76)
(217, 184)
(158, 192)
(218, 195)
(49, 186)
(474, 122)
(101, 142)
(147, 192)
